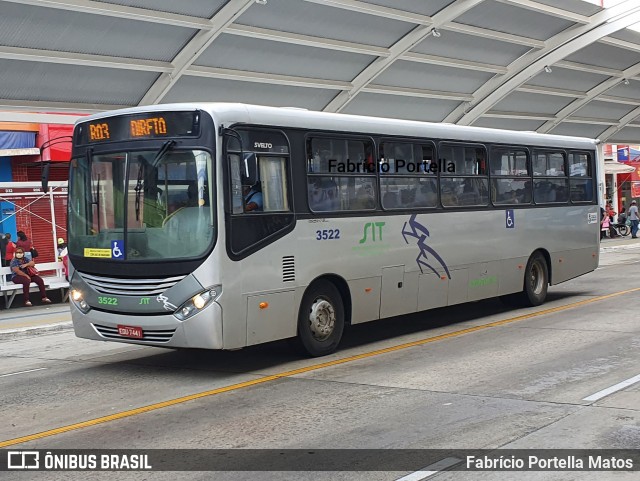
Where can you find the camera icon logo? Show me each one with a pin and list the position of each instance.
(23, 460)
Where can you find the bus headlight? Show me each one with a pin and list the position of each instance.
(79, 302)
(198, 302)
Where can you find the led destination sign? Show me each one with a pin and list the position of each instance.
(147, 126)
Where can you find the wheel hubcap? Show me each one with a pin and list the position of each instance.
(322, 319)
(537, 278)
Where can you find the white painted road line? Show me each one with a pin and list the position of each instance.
(612, 389)
(430, 470)
(22, 372)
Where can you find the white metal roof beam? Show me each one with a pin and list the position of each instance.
(307, 40)
(452, 62)
(493, 35)
(51, 106)
(536, 89)
(557, 48)
(583, 67)
(37, 118)
(377, 10)
(259, 77)
(53, 56)
(624, 122)
(616, 42)
(194, 48)
(120, 11)
(274, 79)
(617, 100)
(401, 47)
(329, 44)
(592, 94)
(547, 10)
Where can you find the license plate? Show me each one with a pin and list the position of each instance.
(130, 331)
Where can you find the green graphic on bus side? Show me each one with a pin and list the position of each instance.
(483, 281)
(371, 242)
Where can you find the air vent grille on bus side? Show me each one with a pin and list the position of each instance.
(288, 269)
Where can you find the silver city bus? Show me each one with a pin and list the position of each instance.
(220, 226)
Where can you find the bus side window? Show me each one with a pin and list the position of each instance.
(273, 180)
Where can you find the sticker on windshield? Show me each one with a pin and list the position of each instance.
(117, 249)
(94, 252)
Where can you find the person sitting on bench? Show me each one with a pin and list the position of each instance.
(24, 272)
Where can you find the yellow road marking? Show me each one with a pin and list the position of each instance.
(314, 367)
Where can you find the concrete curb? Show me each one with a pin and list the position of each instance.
(32, 331)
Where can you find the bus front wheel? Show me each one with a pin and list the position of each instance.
(321, 319)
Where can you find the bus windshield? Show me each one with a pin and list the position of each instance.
(141, 205)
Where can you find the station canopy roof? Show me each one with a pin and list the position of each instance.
(559, 66)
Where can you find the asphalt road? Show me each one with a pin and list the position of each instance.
(450, 378)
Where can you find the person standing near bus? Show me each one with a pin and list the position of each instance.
(10, 250)
(3, 249)
(634, 218)
(25, 244)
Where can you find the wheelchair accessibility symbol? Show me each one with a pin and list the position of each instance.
(510, 219)
(117, 249)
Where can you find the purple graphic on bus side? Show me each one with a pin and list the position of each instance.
(420, 232)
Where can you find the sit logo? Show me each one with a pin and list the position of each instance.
(371, 243)
(373, 226)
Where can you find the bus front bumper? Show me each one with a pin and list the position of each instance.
(202, 331)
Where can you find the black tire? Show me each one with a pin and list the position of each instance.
(536, 283)
(536, 280)
(624, 230)
(320, 320)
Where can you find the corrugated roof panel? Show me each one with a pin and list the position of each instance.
(626, 135)
(604, 110)
(399, 107)
(256, 55)
(567, 79)
(514, 20)
(575, 6)
(322, 21)
(467, 47)
(607, 56)
(508, 124)
(414, 6)
(34, 81)
(627, 35)
(432, 77)
(631, 91)
(53, 29)
(199, 89)
(579, 130)
(532, 103)
(194, 8)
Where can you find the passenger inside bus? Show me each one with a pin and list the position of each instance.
(253, 197)
(323, 195)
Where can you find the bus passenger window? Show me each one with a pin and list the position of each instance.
(341, 175)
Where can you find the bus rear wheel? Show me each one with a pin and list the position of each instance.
(321, 319)
(536, 284)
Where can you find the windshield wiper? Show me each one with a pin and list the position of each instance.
(168, 145)
(142, 165)
(139, 185)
